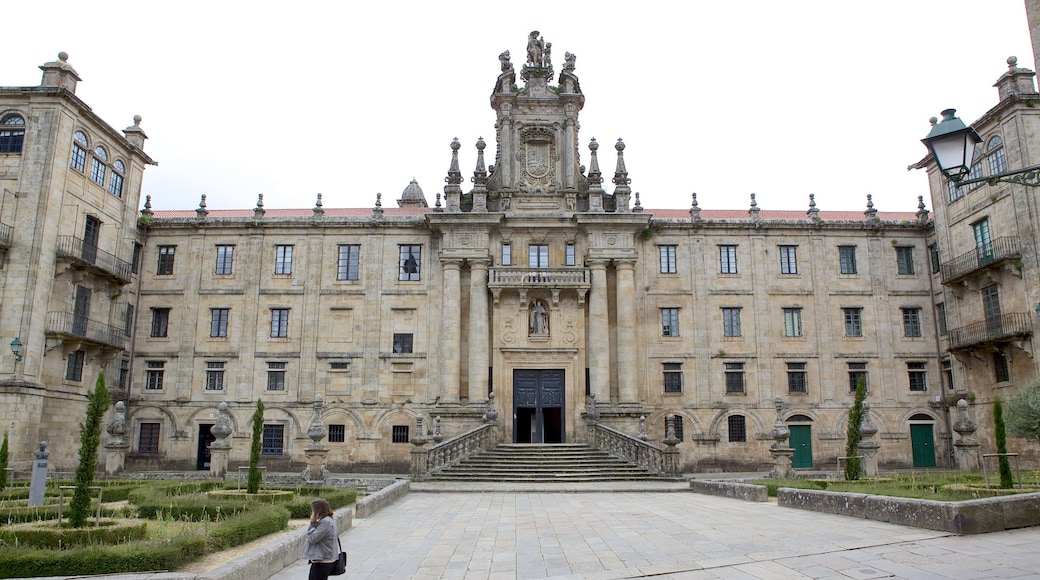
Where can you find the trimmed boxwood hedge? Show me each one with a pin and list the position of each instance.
(138, 556)
(300, 507)
(63, 538)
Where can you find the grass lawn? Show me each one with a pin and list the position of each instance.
(936, 486)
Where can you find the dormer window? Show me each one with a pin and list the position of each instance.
(12, 133)
(78, 160)
(97, 166)
(996, 155)
(115, 181)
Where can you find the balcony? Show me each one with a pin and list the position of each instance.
(68, 327)
(539, 278)
(90, 257)
(5, 236)
(986, 256)
(1003, 328)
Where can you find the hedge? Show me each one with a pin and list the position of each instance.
(300, 508)
(257, 523)
(139, 556)
(64, 538)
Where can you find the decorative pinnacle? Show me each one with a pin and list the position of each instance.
(202, 212)
(480, 174)
(379, 200)
(621, 179)
(871, 213)
(695, 210)
(922, 213)
(318, 209)
(259, 210)
(454, 177)
(753, 211)
(638, 206)
(813, 213)
(147, 206)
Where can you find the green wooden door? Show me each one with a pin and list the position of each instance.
(801, 442)
(922, 439)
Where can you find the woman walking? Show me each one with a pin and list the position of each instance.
(322, 546)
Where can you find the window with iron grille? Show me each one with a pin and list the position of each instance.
(792, 322)
(273, 440)
(165, 263)
(154, 375)
(727, 259)
(911, 322)
(788, 259)
(402, 343)
(905, 260)
(410, 262)
(218, 322)
(734, 377)
(348, 263)
(667, 255)
(669, 322)
(225, 260)
(160, 322)
(283, 259)
(797, 379)
(857, 373)
(731, 322)
(74, 367)
(918, 378)
(673, 377)
(214, 376)
(1001, 368)
(399, 434)
(279, 322)
(276, 376)
(148, 438)
(337, 433)
(737, 427)
(853, 321)
(339, 366)
(847, 259)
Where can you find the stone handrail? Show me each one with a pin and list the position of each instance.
(646, 455)
(452, 451)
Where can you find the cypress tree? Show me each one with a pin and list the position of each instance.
(90, 438)
(253, 481)
(3, 463)
(1006, 480)
(852, 434)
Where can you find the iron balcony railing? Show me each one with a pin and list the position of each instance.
(78, 251)
(69, 325)
(512, 277)
(997, 250)
(995, 329)
(5, 236)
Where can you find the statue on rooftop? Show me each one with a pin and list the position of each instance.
(535, 50)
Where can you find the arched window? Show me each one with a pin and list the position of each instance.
(921, 417)
(78, 160)
(12, 133)
(115, 182)
(996, 155)
(97, 166)
(737, 425)
(976, 169)
(799, 419)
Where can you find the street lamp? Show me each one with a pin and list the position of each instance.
(16, 349)
(952, 145)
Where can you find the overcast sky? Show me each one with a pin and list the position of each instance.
(722, 98)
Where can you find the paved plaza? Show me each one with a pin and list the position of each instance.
(504, 534)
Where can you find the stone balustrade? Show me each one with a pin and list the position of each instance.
(646, 455)
(451, 451)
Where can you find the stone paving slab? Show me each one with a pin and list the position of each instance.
(566, 534)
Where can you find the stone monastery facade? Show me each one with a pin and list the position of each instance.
(537, 285)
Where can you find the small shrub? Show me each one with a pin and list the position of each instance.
(256, 523)
(63, 538)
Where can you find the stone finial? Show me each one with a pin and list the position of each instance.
(490, 413)
(117, 426)
(871, 213)
(621, 179)
(638, 207)
(437, 204)
(316, 430)
(412, 196)
(438, 433)
(453, 189)
(480, 179)
(591, 411)
(922, 213)
(813, 213)
(595, 178)
(377, 209)
(202, 212)
(60, 74)
(866, 425)
(318, 209)
(695, 209)
(753, 211)
(259, 210)
(147, 211)
(780, 431)
(642, 428)
(419, 439)
(222, 429)
(134, 134)
(669, 431)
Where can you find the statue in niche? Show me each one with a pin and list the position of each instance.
(539, 318)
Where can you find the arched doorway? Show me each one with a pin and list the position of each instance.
(922, 440)
(801, 441)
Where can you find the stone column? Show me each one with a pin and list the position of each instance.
(598, 343)
(478, 328)
(781, 448)
(221, 447)
(117, 446)
(627, 365)
(967, 445)
(868, 446)
(451, 338)
(317, 454)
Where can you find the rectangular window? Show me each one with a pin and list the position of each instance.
(853, 321)
(79, 158)
(11, 140)
(730, 322)
(276, 376)
(214, 376)
(947, 369)
(124, 374)
(225, 260)
(537, 256)
(569, 255)
(402, 343)
(339, 366)
(667, 254)
(857, 373)
(283, 260)
(1001, 369)
(74, 368)
(337, 433)
(727, 259)
(273, 440)
(983, 241)
(991, 304)
(669, 322)
(737, 427)
(911, 322)
(135, 261)
(792, 321)
(916, 373)
(279, 323)
(940, 312)
(115, 184)
(797, 379)
(148, 438)
(348, 263)
(905, 260)
(933, 251)
(160, 322)
(734, 377)
(129, 327)
(399, 434)
(673, 377)
(165, 265)
(97, 171)
(788, 259)
(507, 254)
(847, 259)
(218, 322)
(410, 262)
(154, 375)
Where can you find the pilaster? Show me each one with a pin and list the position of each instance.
(628, 364)
(451, 338)
(478, 328)
(599, 331)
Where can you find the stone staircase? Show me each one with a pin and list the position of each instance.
(543, 463)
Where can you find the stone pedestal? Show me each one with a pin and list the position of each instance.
(218, 461)
(782, 462)
(780, 449)
(117, 445)
(38, 483)
(967, 446)
(317, 454)
(316, 461)
(220, 449)
(115, 457)
(868, 446)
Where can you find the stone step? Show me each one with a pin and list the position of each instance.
(575, 462)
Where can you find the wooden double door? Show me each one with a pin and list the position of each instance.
(539, 399)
